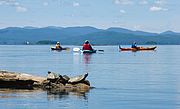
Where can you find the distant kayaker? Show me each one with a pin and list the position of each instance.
(87, 46)
(58, 46)
(134, 45)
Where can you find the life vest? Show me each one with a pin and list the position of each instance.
(57, 46)
(87, 47)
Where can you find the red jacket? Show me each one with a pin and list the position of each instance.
(87, 47)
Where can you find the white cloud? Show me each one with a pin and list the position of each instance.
(9, 2)
(76, 4)
(1, 2)
(157, 8)
(122, 11)
(143, 2)
(15, 4)
(45, 3)
(21, 9)
(160, 2)
(123, 2)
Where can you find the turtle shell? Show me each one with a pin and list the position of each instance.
(65, 77)
(78, 78)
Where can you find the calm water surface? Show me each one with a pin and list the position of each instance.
(122, 80)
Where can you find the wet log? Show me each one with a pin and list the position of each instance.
(19, 80)
(26, 81)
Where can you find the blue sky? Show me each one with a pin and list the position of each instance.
(146, 15)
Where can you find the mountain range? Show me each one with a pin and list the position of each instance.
(77, 35)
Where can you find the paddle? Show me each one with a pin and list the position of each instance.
(78, 49)
(66, 48)
(101, 50)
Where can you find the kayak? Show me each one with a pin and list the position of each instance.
(89, 51)
(138, 48)
(59, 49)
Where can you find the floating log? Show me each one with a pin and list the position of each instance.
(19, 80)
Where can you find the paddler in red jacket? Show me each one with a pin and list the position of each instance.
(87, 46)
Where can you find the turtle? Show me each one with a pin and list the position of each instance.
(78, 79)
(65, 77)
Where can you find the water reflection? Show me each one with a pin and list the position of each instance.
(87, 58)
(17, 93)
(51, 94)
(55, 94)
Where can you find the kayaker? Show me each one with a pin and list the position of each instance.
(58, 46)
(87, 46)
(134, 45)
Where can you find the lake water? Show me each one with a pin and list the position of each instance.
(122, 80)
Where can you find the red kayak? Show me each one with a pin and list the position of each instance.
(137, 49)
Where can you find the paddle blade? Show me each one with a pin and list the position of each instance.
(67, 48)
(101, 50)
(76, 49)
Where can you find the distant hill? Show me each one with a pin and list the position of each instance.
(169, 33)
(77, 35)
(126, 31)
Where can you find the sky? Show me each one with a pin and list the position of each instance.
(145, 15)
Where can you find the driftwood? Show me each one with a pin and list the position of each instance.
(26, 81)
